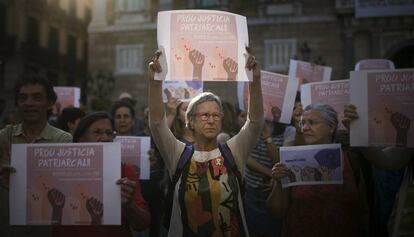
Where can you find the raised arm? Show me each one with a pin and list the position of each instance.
(242, 144)
(255, 110)
(169, 147)
(156, 106)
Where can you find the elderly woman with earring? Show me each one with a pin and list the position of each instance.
(320, 210)
(207, 198)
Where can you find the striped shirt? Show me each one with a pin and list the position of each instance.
(253, 178)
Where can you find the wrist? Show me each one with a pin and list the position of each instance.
(268, 140)
(171, 113)
(153, 81)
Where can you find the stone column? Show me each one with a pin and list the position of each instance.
(99, 13)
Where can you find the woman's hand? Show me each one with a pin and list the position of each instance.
(350, 114)
(172, 105)
(252, 64)
(154, 66)
(296, 116)
(279, 171)
(127, 190)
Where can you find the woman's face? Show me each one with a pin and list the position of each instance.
(99, 131)
(207, 120)
(315, 128)
(182, 109)
(123, 121)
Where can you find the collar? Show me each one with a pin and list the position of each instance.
(203, 156)
(44, 134)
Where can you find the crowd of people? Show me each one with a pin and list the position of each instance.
(215, 170)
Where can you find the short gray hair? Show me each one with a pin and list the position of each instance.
(328, 113)
(199, 99)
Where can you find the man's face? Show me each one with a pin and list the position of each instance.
(32, 103)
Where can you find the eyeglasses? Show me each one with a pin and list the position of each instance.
(206, 116)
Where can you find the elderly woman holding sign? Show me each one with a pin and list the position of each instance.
(319, 210)
(206, 175)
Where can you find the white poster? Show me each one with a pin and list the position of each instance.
(278, 96)
(66, 97)
(181, 89)
(65, 184)
(334, 93)
(202, 45)
(374, 64)
(134, 152)
(312, 164)
(306, 72)
(385, 102)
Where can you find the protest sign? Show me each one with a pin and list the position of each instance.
(312, 164)
(181, 89)
(374, 64)
(202, 45)
(333, 93)
(134, 152)
(66, 97)
(306, 72)
(65, 184)
(278, 96)
(385, 102)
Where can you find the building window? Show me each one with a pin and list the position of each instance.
(129, 59)
(33, 31)
(278, 53)
(133, 5)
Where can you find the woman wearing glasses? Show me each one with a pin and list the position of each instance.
(98, 127)
(207, 200)
(320, 210)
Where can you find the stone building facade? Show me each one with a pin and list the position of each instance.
(122, 37)
(44, 37)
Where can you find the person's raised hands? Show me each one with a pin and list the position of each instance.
(350, 114)
(154, 66)
(252, 64)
